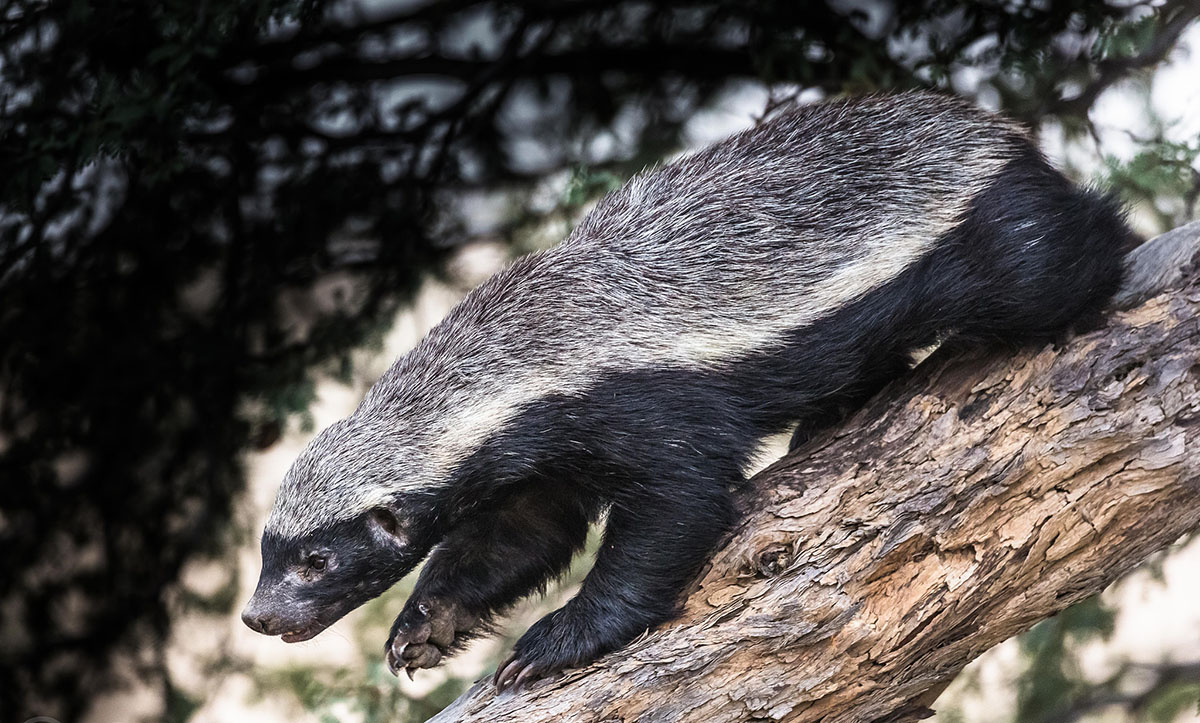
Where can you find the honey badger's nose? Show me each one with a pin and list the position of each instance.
(259, 620)
(255, 622)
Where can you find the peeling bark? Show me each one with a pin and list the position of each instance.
(962, 505)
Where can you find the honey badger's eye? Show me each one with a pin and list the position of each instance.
(316, 562)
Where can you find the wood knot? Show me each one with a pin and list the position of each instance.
(772, 561)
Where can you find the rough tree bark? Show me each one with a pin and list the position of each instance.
(961, 506)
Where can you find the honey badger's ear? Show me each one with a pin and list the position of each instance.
(387, 524)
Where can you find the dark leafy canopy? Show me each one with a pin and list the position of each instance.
(179, 176)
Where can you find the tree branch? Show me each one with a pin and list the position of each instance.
(961, 506)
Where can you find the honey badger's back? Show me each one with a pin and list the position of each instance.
(773, 279)
(797, 261)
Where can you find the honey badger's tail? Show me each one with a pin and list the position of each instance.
(1035, 254)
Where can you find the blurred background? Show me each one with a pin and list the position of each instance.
(220, 220)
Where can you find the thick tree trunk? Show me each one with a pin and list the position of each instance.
(961, 506)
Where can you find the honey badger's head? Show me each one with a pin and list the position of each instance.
(348, 522)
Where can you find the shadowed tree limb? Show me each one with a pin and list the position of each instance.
(961, 506)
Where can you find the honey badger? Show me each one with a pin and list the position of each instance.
(756, 286)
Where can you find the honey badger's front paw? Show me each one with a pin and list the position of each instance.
(552, 644)
(424, 632)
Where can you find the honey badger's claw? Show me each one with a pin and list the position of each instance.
(393, 663)
(529, 673)
(548, 647)
(506, 672)
(514, 673)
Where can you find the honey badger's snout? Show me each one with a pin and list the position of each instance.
(264, 613)
(273, 614)
(260, 618)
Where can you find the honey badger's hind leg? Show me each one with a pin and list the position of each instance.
(483, 566)
(875, 373)
(655, 541)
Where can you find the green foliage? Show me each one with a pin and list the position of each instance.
(1161, 179)
(1125, 39)
(588, 184)
(180, 706)
(1053, 679)
(1172, 701)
